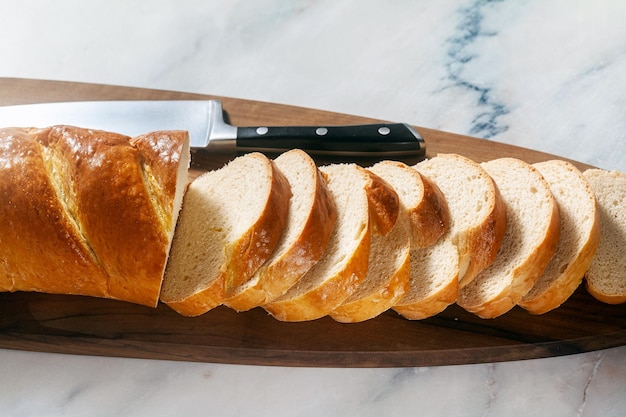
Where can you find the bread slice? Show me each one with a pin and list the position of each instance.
(387, 277)
(530, 242)
(365, 205)
(434, 280)
(424, 203)
(231, 221)
(579, 237)
(606, 277)
(89, 212)
(311, 219)
(477, 212)
(432, 270)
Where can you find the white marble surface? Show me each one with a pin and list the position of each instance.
(543, 74)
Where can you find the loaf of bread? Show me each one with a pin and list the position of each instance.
(606, 277)
(89, 212)
(231, 221)
(100, 214)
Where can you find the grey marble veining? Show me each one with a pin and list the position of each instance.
(542, 74)
(38, 384)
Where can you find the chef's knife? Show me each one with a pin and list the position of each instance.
(204, 119)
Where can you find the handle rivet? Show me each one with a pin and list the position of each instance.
(384, 130)
(261, 130)
(321, 131)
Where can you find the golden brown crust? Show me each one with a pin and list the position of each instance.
(423, 201)
(160, 154)
(96, 223)
(377, 302)
(201, 301)
(249, 252)
(431, 305)
(318, 302)
(561, 289)
(275, 279)
(383, 202)
(431, 219)
(605, 298)
(41, 248)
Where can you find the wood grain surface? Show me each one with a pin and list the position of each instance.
(84, 325)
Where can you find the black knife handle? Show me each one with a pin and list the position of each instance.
(395, 140)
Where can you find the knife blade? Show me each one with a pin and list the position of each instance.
(204, 119)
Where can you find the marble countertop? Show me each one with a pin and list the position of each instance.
(543, 74)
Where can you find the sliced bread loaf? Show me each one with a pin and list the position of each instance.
(531, 239)
(579, 237)
(606, 277)
(311, 219)
(231, 221)
(477, 212)
(434, 280)
(424, 203)
(387, 277)
(362, 200)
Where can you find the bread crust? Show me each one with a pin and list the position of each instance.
(377, 302)
(276, 278)
(321, 300)
(383, 202)
(605, 298)
(432, 305)
(86, 208)
(429, 217)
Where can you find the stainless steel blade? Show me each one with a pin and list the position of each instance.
(128, 117)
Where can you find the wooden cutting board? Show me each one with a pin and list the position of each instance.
(83, 325)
